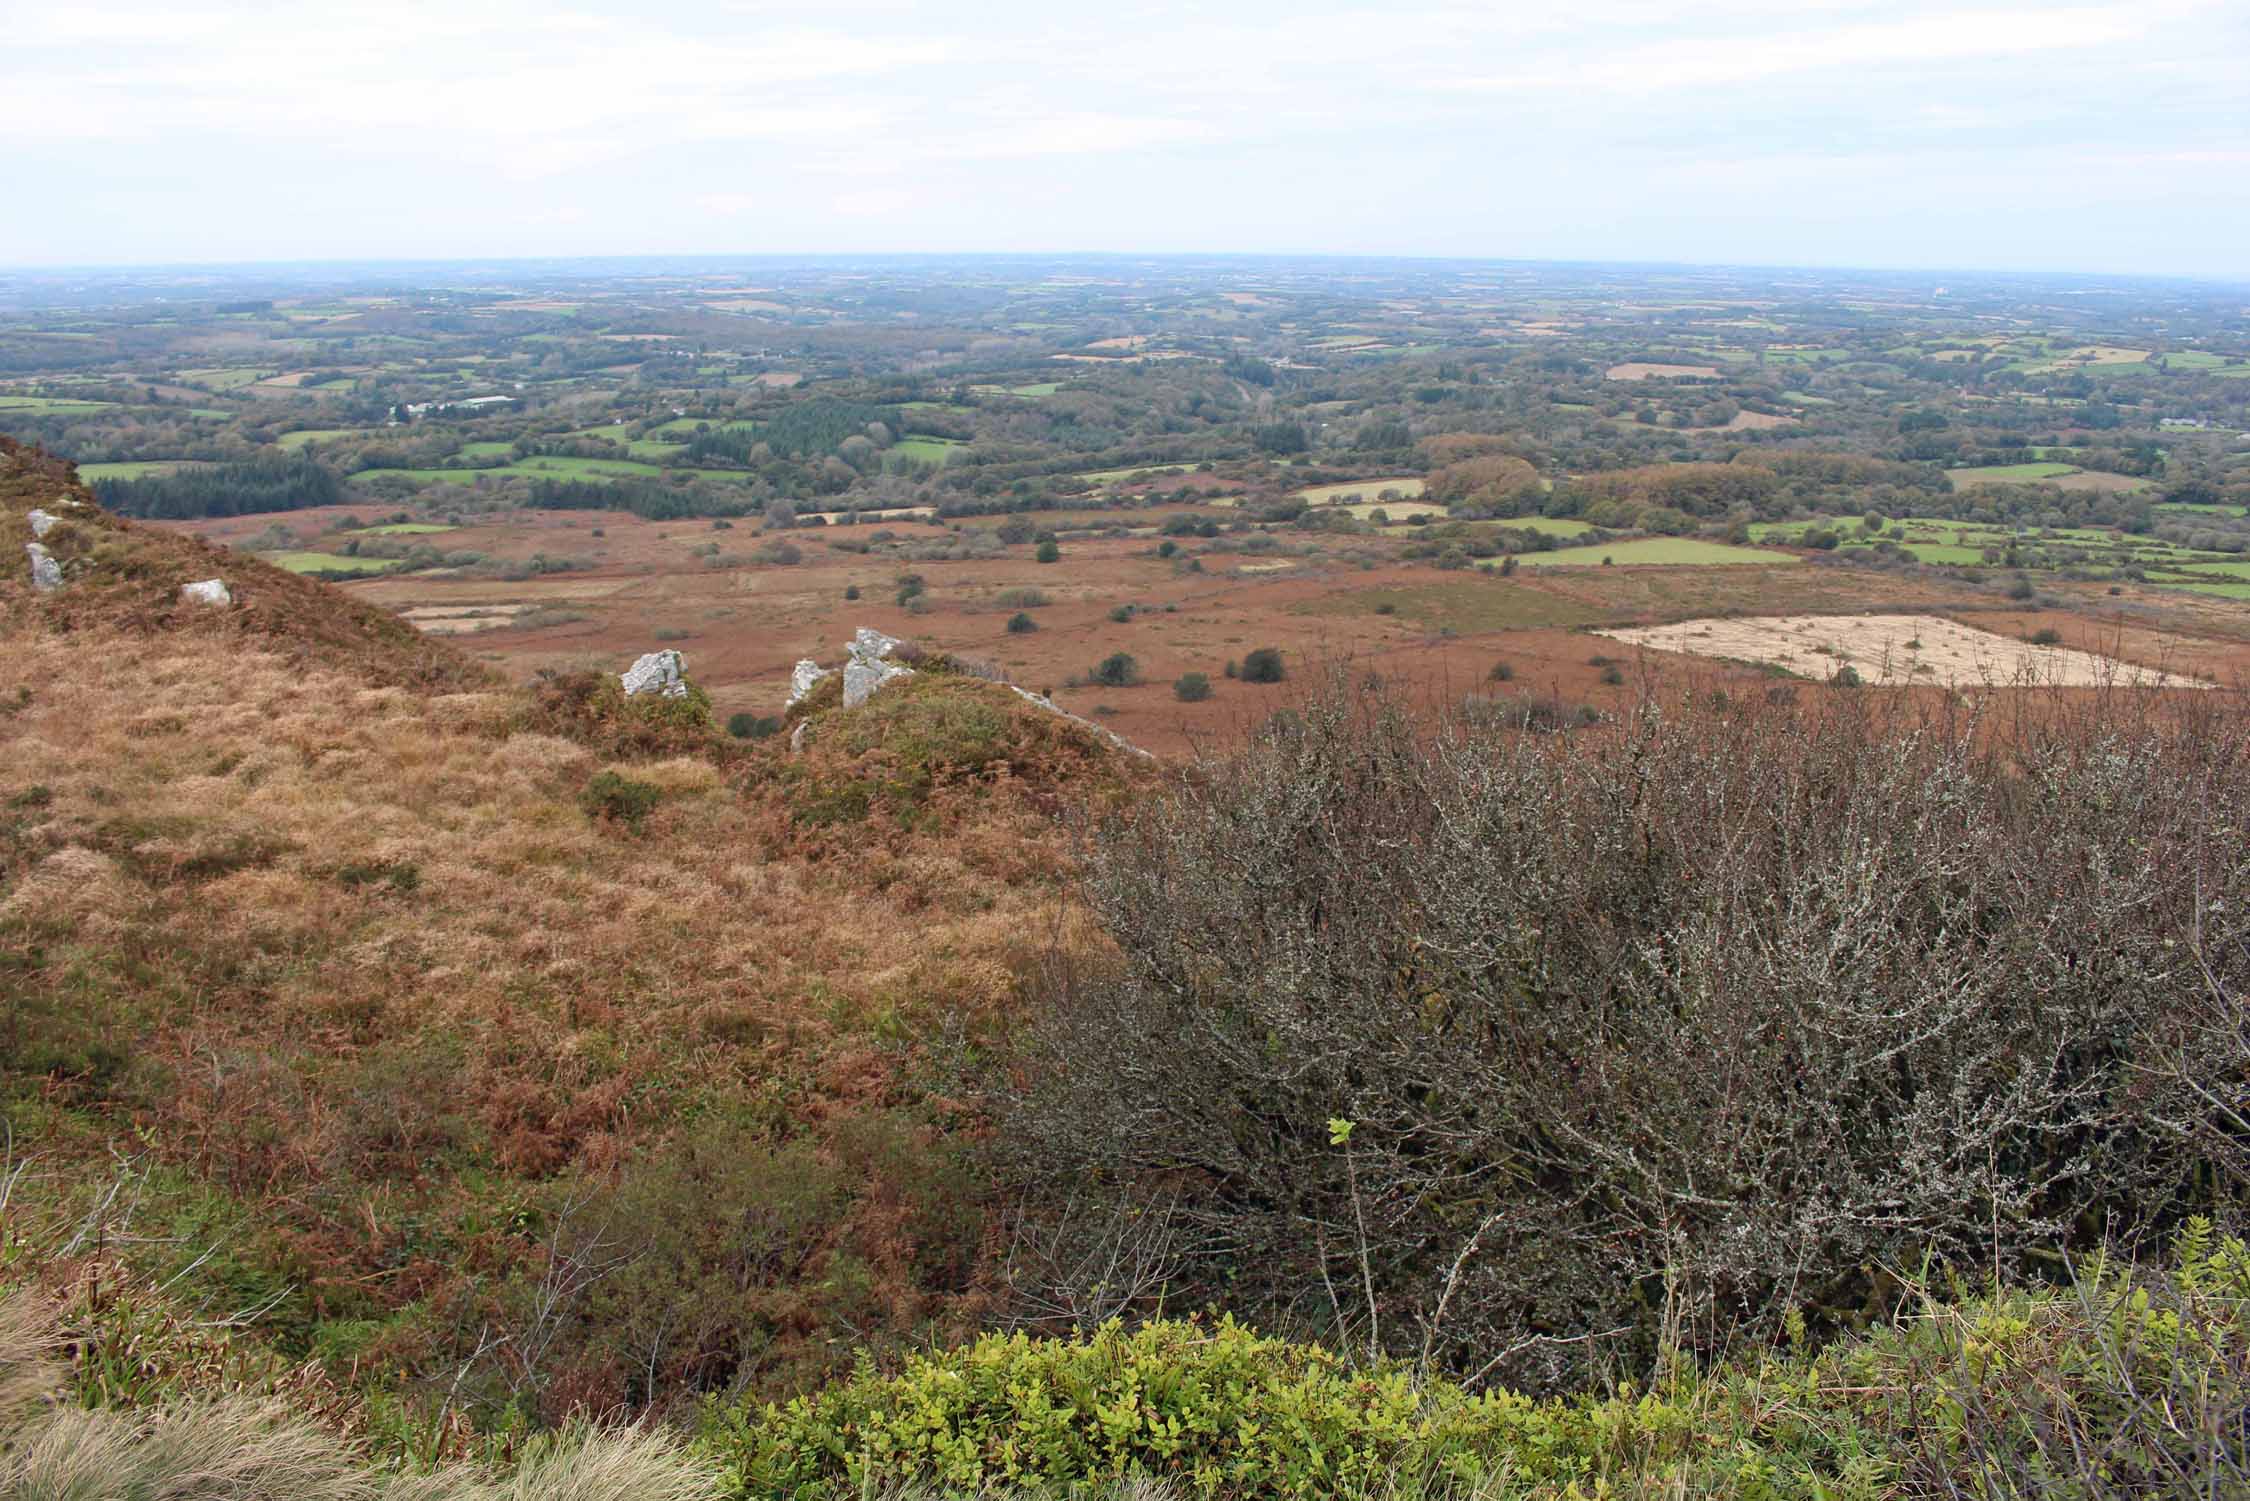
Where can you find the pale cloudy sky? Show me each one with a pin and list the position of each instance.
(2100, 137)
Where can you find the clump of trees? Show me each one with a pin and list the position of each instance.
(269, 483)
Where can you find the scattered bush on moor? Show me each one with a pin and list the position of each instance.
(2124, 1383)
(1537, 1054)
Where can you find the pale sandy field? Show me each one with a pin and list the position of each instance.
(1895, 649)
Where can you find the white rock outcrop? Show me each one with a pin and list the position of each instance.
(663, 673)
(206, 592)
(868, 668)
(46, 573)
(41, 522)
(803, 678)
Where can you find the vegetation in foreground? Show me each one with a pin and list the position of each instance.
(448, 1063)
(2125, 1382)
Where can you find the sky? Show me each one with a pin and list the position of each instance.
(2107, 138)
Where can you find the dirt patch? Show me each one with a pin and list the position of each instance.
(1897, 649)
(462, 620)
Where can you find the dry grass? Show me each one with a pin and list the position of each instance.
(351, 954)
(247, 1449)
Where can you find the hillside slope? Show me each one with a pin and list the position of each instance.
(125, 576)
(416, 1012)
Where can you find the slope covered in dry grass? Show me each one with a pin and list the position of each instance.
(335, 948)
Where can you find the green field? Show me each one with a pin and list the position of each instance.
(1552, 526)
(305, 436)
(405, 529)
(2008, 474)
(1675, 551)
(1395, 510)
(325, 562)
(2240, 570)
(225, 378)
(51, 406)
(925, 450)
(555, 466)
(1407, 486)
(130, 469)
(1109, 476)
(1945, 552)
(493, 450)
(685, 427)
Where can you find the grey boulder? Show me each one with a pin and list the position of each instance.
(663, 673)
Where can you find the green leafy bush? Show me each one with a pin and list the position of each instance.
(1117, 670)
(1021, 624)
(1192, 688)
(2128, 1382)
(619, 798)
(1263, 666)
(1217, 1407)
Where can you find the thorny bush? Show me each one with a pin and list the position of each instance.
(1536, 1057)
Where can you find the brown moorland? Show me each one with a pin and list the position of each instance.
(373, 970)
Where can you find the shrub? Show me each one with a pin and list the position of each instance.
(2130, 1382)
(2022, 588)
(592, 708)
(1048, 552)
(1020, 624)
(1262, 666)
(1117, 670)
(1121, 614)
(1191, 688)
(780, 553)
(749, 726)
(1649, 1036)
(614, 797)
(1225, 1410)
(1613, 674)
(2046, 635)
(1021, 599)
(851, 591)
(1502, 672)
